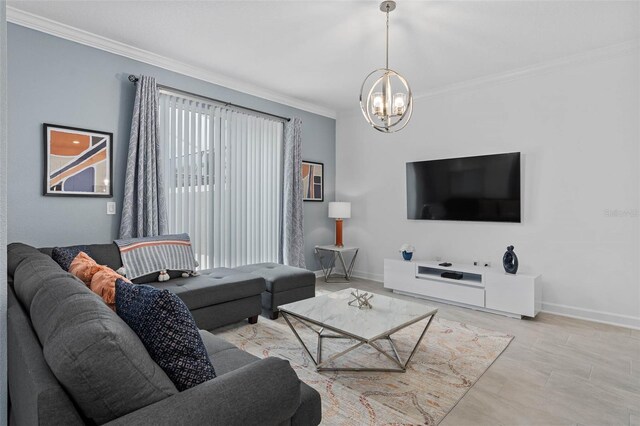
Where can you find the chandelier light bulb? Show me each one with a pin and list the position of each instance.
(377, 102)
(399, 102)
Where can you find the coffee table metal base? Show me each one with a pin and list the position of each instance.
(321, 365)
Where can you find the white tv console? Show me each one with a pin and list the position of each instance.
(479, 288)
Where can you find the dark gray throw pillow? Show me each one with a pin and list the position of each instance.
(65, 255)
(167, 330)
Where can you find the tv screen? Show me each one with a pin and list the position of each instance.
(484, 188)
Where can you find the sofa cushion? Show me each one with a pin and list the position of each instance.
(97, 358)
(227, 360)
(214, 344)
(224, 356)
(280, 277)
(167, 329)
(30, 275)
(17, 252)
(213, 286)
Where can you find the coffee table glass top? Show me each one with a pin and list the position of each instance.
(331, 310)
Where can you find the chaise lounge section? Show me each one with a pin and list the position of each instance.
(216, 297)
(222, 296)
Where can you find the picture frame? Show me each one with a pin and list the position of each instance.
(312, 181)
(77, 162)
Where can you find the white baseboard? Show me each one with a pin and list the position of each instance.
(357, 274)
(368, 276)
(610, 318)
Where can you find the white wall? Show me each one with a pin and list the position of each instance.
(577, 125)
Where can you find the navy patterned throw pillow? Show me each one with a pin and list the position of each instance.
(65, 255)
(167, 330)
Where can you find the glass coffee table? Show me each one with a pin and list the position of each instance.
(330, 317)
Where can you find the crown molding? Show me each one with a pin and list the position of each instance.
(602, 53)
(86, 38)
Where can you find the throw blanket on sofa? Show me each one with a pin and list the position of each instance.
(142, 256)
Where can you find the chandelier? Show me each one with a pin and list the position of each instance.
(385, 96)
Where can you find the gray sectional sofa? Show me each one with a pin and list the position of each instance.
(73, 361)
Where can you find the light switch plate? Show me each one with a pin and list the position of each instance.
(111, 207)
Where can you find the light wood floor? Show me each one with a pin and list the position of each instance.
(556, 371)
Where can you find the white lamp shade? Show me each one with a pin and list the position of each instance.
(340, 210)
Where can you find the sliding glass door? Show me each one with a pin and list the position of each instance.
(223, 172)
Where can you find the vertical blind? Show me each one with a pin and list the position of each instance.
(223, 171)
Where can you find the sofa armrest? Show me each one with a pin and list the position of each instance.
(266, 392)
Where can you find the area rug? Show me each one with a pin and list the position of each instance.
(450, 359)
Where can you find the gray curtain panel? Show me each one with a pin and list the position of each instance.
(292, 242)
(144, 210)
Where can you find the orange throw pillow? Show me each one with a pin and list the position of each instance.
(84, 267)
(100, 279)
(103, 284)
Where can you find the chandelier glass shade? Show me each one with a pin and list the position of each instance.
(385, 95)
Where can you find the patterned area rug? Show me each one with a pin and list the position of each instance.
(450, 359)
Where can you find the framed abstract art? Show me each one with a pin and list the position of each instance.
(77, 162)
(312, 181)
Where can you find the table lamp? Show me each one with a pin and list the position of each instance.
(339, 211)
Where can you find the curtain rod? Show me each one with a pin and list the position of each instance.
(134, 79)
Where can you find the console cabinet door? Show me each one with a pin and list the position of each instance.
(398, 273)
(511, 293)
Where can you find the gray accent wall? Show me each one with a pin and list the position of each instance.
(3, 212)
(62, 82)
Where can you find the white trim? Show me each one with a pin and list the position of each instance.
(610, 318)
(368, 276)
(357, 274)
(77, 35)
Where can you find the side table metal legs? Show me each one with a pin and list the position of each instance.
(329, 267)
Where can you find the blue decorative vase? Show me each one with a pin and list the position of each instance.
(407, 255)
(510, 261)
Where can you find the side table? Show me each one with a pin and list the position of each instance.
(328, 266)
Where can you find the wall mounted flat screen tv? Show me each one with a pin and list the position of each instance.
(484, 189)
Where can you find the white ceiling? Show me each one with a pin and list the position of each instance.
(319, 51)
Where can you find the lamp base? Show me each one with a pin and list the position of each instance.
(339, 233)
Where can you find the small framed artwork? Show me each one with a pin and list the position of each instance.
(312, 181)
(77, 162)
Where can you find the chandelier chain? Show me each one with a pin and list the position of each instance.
(387, 42)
